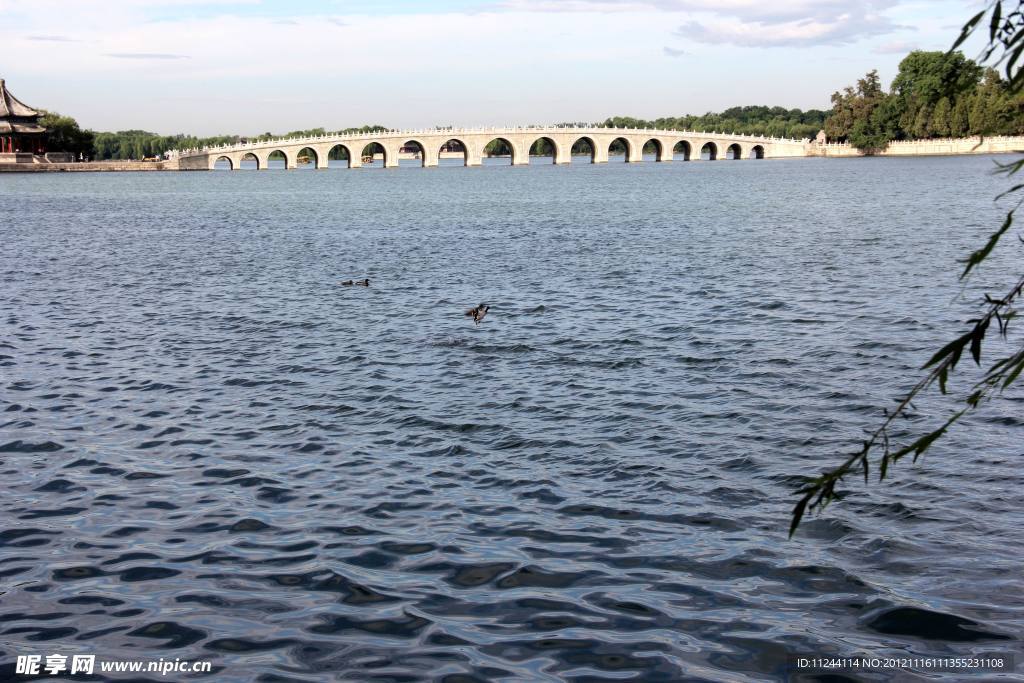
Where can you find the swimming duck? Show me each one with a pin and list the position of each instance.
(478, 313)
(346, 282)
(363, 283)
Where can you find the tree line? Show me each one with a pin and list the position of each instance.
(65, 135)
(934, 95)
(750, 120)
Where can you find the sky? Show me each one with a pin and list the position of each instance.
(251, 66)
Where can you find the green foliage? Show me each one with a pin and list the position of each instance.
(543, 148)
(992, 104)
(939, 124)
(749, 120)
(497, 148)
(862, 115)
(337, 153)
(926, 77)
(139, 144)
(64, 135)
(583, 146)
(935, 94)
(313, 132)
(959, 123)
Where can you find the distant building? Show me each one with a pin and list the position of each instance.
(20, 131)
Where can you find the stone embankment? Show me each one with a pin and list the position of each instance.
(89, 166)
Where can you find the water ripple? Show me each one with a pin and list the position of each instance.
(212, 452)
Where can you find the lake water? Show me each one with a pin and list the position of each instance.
(211, 450)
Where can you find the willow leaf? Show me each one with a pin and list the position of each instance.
(968, 29)
(953, 347)
(981, 254)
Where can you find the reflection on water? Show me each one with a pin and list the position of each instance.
(212, 451)
(406, 161)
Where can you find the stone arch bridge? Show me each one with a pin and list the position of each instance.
(516, 142)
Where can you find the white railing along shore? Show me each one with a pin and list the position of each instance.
(937, 141)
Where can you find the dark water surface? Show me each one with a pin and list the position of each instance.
(210, 450)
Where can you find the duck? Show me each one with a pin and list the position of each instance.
(478, 313)
(346, 283)
(364, 282)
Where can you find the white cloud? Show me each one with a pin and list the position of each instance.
(755, 23)
(838, 30)
(52, 39)
(896, 47)
(765, 10)
(144, 55)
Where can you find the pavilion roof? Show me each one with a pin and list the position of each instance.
(12, 107)
(18, 127)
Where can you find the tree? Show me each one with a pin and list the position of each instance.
(934, 94)
(854, 118)
(64, 135)
(940, 119)
(1006, 38)
(839, 124)
(984, 114)
(926, 77)
(959, 124)
(922, 122)
(540, 148)
(499, 147)
(997, 109)
(750, 120)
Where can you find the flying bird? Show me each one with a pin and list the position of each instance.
(478, 313)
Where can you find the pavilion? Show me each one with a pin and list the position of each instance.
(20, 132)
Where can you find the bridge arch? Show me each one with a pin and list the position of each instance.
(582, 147)
(683, 149)
(218, 166)
(413, 146)
(499, 148)
(307, 158)
(734, 151)
(249, 156)
(455, 146)
(620, 146)
(369, 153)
(711, 149)
(543, 146)
(653, 146)
(757, 152)
(339, 152)
(278, 156)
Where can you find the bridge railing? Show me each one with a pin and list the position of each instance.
(456, 132)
